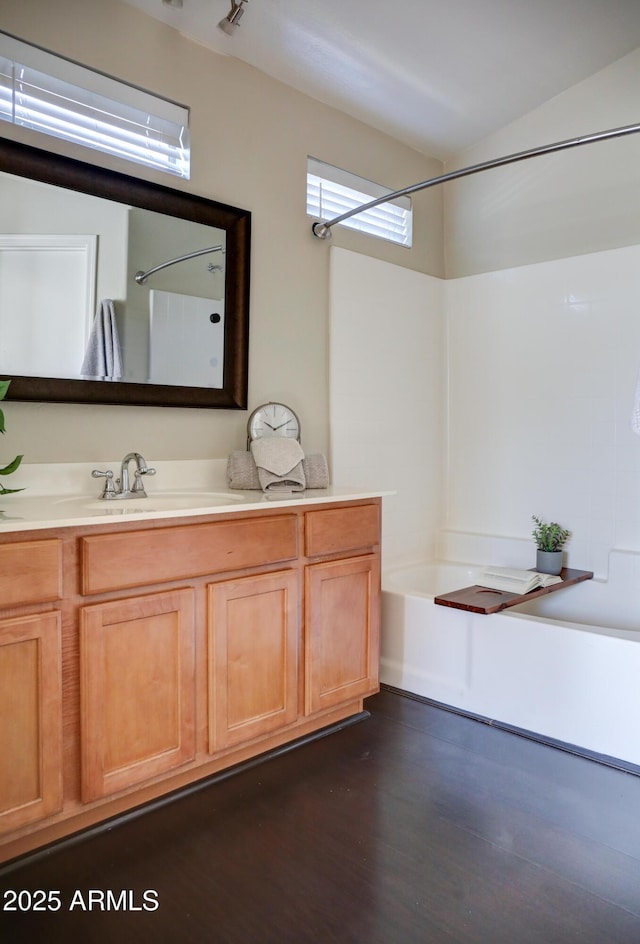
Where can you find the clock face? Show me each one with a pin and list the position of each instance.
(273, 419)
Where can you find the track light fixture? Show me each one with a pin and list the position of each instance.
(231, 22)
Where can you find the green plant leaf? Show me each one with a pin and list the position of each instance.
(12, 466)
(549, 537)
(8, 469)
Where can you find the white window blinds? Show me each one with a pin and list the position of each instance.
(332, 191)
(46, 93)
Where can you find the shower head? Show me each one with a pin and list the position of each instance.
(231, 21)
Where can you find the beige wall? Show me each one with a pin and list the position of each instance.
(250, 139)
(564, 204)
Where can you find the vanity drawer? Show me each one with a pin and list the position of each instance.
(30, 572)
(139, 558)
(342, 529)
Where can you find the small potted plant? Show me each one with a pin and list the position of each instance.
(550, 539)
(13, 465)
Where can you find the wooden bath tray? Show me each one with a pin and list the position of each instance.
(483, 600)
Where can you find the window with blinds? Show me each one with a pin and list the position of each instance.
(332, 191)
(55, 96)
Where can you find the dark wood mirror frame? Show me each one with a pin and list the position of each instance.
(33, 163)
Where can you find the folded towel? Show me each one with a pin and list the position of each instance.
(279, 463)
(103, 358)
(316, 471)
(242, 472)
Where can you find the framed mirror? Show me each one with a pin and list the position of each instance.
(117, 290)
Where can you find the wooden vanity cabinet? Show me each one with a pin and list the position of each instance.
(137, 685)
(188, 646)
(30, 719)
(253, 657)
(342, 605)
(30, 683)
(342, 631)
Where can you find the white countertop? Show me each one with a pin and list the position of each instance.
(64, 495)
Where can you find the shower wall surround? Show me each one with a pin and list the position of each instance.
(510, 393)
(542, 364)
(386, 381)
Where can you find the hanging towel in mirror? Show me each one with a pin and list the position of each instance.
(279, 463)
(103, 358)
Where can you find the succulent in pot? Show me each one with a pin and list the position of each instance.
(550, 538)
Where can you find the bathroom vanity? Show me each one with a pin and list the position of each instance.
(140, 653)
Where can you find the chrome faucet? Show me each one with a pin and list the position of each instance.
(121, 488)
(142, 469)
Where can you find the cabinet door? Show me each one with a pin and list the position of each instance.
(30, 719)
(342, 631)
(137, 689)
(253, 653)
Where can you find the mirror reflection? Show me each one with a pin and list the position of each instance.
(108, 283)
(70, 304)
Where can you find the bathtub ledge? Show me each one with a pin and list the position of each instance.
(483, 600)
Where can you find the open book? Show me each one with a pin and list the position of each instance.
(513, 580)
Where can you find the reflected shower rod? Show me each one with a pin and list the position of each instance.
(322, 229)
(141, 277)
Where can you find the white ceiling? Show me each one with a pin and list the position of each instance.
(436, 74)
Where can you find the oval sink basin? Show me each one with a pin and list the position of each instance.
(154, 502)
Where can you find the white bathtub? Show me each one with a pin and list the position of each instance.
(565, 666)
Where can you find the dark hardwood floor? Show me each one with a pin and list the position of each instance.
(417, 826)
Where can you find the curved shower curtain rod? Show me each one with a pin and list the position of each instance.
(141, 277)
(322, 229)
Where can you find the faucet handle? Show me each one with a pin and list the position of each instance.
(109, 489)
(138, 487)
